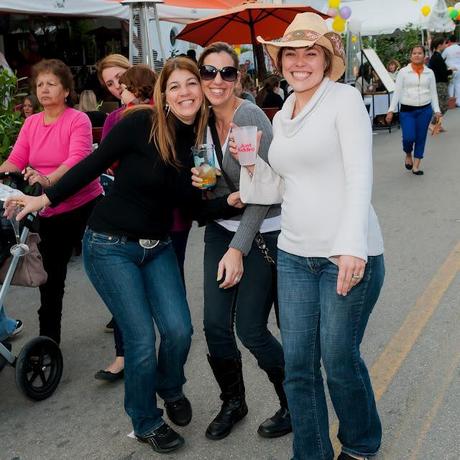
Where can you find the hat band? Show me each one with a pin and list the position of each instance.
(313, 36)
(309, 35)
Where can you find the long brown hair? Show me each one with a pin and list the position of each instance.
(163, 130)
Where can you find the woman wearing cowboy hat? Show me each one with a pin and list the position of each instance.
(330, 261)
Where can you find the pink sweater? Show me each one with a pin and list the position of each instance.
(67, 141)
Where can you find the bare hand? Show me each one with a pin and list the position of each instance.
(197, 181)
(351, 272)
(389, 118)
(126, 95)
(438, 116)
(27, 203)
(230, 268)
(234, 200)
(34, 177)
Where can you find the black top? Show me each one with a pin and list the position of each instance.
(145, 189)
(439, 67)
(97, 118)
(272, 100)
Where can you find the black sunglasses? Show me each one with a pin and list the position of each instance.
(209, 72)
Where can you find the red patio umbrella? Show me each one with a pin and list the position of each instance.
(243, 23)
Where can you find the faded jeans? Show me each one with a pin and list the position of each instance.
(319, 325)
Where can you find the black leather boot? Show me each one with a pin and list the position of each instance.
(229, 376)
(280, 423)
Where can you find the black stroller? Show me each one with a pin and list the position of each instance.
(39, 364)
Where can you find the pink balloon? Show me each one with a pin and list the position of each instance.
(345, 12)
(332, 12)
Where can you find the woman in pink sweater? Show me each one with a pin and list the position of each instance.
(49, 144)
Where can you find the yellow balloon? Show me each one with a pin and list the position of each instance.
(426, 10)
(334, 4)
(338, 24)
(354, 38)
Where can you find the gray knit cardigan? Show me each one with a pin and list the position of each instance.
(247, 114)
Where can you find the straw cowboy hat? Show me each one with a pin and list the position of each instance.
(306, 30)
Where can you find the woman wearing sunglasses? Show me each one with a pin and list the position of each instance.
(243, 294)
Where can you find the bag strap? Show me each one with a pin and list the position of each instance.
(259, 239)
(219, 154)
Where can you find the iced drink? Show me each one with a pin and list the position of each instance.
(203, 157)
(246, 143)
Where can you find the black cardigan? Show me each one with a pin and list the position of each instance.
(439, 67)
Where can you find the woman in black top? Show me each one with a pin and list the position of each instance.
(127, 251)
(267, 98)
(441, 73)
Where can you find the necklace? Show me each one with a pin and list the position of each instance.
(223, 126)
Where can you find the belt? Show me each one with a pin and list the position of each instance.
(143, 242)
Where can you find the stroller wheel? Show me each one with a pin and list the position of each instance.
(39, 368)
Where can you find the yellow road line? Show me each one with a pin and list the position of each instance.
(390, 360)
(429, 418)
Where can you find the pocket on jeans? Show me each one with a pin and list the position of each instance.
(103, 238)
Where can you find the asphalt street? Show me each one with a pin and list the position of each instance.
(412, 343)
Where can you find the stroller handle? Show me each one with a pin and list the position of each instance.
(18, 178)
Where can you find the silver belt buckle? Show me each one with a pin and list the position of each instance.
(149, 244)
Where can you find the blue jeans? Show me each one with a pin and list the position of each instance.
(142, 286)
(7, 324)
(318, 324)
(414, 127)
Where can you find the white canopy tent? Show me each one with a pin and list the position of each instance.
(97, 8)
(385, 16)
(170, 16)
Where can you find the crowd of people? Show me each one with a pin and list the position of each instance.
(274, 235)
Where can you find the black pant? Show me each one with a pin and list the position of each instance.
(179, 242)
(59, 235)
(245, 307)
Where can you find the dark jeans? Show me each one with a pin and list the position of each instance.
(142, 287)
(179, 243)
(319, 325)
(245, 307)
(59, 235)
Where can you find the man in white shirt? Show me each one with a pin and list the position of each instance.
(452, 57)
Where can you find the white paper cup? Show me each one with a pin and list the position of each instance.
(246, 143)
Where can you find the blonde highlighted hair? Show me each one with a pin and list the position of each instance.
(112, 60)
(88, 101)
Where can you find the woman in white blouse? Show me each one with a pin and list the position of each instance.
(416, 93)
(330, 261)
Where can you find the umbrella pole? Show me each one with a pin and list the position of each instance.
(254, 52)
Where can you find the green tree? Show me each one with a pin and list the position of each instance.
(10, 120)
(395, 46)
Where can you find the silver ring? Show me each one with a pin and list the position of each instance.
(237, 279)
(355, 276)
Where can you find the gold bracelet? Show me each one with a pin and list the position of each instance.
(44, 204)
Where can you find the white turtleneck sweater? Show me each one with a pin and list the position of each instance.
(321, 172)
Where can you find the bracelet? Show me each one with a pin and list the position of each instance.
(49, 180)
(44, 204)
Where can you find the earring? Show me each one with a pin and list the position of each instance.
(168, 109)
